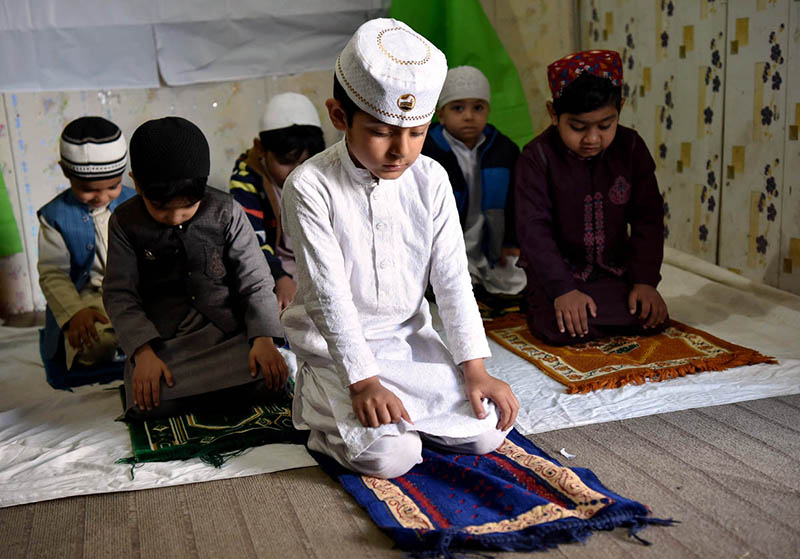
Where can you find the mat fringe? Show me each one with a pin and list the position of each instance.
(640, 376)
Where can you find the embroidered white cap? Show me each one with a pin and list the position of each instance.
(392, 72)
(93, 148)
(287, 109)
(464, 82)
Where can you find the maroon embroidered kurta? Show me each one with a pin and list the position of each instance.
(596, 225)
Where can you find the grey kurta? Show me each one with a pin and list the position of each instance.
(198, 292)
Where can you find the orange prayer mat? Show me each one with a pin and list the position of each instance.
(613, 362)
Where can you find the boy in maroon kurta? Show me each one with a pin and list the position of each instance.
(589, 213)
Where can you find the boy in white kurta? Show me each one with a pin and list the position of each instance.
(372, 224)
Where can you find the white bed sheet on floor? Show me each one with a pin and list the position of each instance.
(57, 444)
(703, 296)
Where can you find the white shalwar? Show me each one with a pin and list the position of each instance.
(365, 250)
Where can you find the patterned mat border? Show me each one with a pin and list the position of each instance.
(738, 356)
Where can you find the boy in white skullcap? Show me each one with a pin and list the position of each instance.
(480, 162)
(290, 134)
(372, 224)
(73, 240)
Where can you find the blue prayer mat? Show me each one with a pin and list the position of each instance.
(516, 498)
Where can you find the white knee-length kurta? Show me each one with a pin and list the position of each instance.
(366, 249)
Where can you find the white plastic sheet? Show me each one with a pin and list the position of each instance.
(103, 44)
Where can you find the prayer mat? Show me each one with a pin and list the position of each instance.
(212, 436)
(493, 305)
(619, 360)
(516, 498)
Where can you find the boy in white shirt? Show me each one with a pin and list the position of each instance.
(372, 223)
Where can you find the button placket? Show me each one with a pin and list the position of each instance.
(381, 215)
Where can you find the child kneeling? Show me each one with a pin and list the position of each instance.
(187, 287)
(590, 218)
(79, 342)
(480, 162)
(372, 223)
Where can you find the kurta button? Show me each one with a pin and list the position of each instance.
(85, 218)
(384, 264)
(180, 226)
(193, 297)
(381, 225)
(89, 246)
(189, 274)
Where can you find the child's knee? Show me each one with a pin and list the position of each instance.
(390, 456)
(487, 442)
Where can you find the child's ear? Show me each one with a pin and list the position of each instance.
(257, 145)
(552, 112)
(63, 170)
(135, 184)
(336, 114)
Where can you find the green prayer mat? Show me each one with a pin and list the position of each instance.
(213, 436)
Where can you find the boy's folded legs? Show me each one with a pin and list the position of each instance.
(613, 316)
(388, 457)
(394, 455)
(233, 398)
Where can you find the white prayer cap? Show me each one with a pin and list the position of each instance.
(287, 109)
(392, 73)
(93, 148)
(464, 82)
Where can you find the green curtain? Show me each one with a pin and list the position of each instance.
(9, 235)
(462, 31)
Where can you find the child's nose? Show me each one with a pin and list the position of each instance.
(400, 145)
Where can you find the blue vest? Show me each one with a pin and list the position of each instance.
(72, 219)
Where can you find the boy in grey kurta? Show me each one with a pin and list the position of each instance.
(187, 287)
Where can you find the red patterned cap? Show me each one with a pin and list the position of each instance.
(601, 63)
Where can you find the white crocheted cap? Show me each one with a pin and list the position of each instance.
(287, 109)
(464, 82)
(392, 73)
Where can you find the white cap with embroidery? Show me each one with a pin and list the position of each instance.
(464, 82)
(287, 109)
(392, 72)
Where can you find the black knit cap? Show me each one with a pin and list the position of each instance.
(167, 149)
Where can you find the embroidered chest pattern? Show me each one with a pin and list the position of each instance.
(594, 236)
(620, 191)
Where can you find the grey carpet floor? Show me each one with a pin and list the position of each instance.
(730, 474)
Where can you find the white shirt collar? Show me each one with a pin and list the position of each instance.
(358, 175)
(452, 140)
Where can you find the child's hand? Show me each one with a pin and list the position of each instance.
(147, 374)
(654, 309)
(376, 405)
(571, 312)
(266, 356)
(481, 384)
(505, 253)
(81, 330)
(285, 288)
